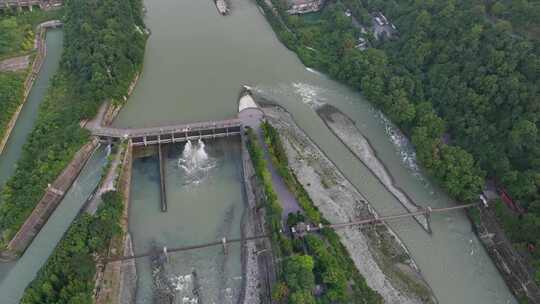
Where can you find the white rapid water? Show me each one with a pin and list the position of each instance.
(195, 162)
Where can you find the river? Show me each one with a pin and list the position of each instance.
(195, 63)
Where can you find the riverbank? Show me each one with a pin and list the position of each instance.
(37, 63)
(514, 268)
(377, 253)
(116, 282)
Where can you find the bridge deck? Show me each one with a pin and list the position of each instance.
(363, 222)
(171, 133)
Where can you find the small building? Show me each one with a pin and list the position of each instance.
(382, 26)
(304, 6)
(380, 19)
(362, 44)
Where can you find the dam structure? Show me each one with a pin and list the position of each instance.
(168, 134)
(160, 136)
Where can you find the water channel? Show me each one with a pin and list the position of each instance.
(14, 277)
(29, 112)
(194, 65)
(28, 115)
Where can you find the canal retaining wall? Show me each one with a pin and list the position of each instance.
(48, 203)
(510, 263)
(117, 281)
(41, 47)
(257, 261)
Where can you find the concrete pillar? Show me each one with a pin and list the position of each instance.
(224, 243)
(428, 218)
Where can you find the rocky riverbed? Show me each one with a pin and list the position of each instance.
(377, 252)
(345, 129)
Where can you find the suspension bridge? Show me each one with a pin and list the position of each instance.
(299, 230)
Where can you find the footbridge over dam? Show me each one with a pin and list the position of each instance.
(170, 133)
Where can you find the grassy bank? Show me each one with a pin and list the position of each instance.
(11, 95)
(103, 50)
(317, 259)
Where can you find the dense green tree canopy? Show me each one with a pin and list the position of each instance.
(103, 49)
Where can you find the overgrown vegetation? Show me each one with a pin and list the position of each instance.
(317, 260)
(11, 93)
(68, 274)
(523, 15)
(17, 34)
(17, 30)
(103, 50)
(463, 86)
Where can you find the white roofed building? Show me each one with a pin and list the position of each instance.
(304, 6)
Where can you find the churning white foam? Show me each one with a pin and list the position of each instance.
(311, 95)
(195, 162)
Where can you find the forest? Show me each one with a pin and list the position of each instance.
(103, 50)
(11, 93)
(459, 78)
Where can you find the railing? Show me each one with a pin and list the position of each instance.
(165, 130)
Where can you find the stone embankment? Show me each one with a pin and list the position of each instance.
(513, 267)
(256, 261)
(48, 203)
(117, 281)
(348, 133)
(41, 48)
(376, 251)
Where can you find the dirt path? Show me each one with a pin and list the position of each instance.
(15, 64)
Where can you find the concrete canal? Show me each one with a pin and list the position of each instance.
(25, 122)
(15, 276)
(194, 65)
